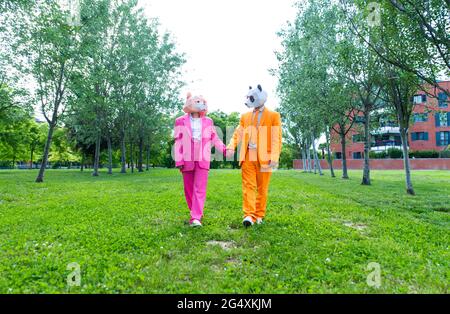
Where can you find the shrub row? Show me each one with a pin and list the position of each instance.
(395, 153)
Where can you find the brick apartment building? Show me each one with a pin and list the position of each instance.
(430, 128)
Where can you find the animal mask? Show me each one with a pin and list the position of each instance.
(256, 97)
(195, 104)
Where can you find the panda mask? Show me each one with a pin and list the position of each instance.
(256, 97)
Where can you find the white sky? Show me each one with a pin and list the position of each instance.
(229, 45)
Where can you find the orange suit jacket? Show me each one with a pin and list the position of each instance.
(268, 140)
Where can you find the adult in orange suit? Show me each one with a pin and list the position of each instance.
(258, 139)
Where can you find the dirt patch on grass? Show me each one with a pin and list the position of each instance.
(157, 221)
(225, 245)
(233, 261)
(234, 226)
(356, 226)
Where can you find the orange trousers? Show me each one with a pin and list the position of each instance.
(255, 188)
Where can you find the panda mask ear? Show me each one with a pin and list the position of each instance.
(260, 88)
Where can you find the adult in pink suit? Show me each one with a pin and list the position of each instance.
(195, 135)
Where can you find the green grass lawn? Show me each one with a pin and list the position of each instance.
(129, 234)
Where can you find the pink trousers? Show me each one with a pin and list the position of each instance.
(195, 183)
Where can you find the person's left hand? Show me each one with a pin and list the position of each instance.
(273, 164)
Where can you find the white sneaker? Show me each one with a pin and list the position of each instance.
(259, 221)
(196, 223)
(248, 221)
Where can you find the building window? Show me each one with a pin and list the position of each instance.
(419, 99)
(420, 117)
(338, 155)
(360, 119)
(357, 155)
(442, 100)
(442, 119)
(357, 138)
(388, 124)
(386, 140)
(442, 138)
(419, 136)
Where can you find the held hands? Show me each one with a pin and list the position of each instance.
(229, 153)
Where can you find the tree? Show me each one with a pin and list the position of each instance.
(411, 53)
(35, 139)
(127, 84)
(289, 152)
(91, 108)
(146, 70)
(421, 44)
(61, 152)
(344, 124)
(313, 94)
(401, 87)
(15, 122)
(52, 49)
(13, 146)
(109, 81)
(362, 68)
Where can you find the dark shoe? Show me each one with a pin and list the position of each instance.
(247, 222)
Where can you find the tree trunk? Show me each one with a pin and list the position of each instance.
(330, 160)
(141, 155)
(316, 157)
(97, 155)
(110, 165)
(344, 157)
(136, 158)
(366, 171)
(304, 158)
(83, 158)
(314, 163)
(147, 166)
(48, 143)
(31, 158)
(308, 157)
(123, 153)
(404, 137)
(131, 157)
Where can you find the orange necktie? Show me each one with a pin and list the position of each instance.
(254, 135)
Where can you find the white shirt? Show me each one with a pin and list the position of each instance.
(259, 112)
(260, 108)
(196, 125)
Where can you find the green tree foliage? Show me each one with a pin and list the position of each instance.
(109, 83)
(413, 35)
(343, 61)
(225, 124)
(315, 97)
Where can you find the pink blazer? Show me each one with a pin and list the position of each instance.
(187, 152)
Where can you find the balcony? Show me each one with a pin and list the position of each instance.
(387, 130)
(384, 145)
